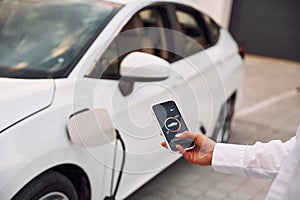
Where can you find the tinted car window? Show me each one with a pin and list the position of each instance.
(43, 39)
(213, 29)
(139, 34)
(191, 25)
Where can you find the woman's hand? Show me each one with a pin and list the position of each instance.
(201, 154)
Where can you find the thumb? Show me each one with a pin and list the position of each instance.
(183, 152)
(180, 149)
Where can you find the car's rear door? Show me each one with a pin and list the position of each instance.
(196, 67)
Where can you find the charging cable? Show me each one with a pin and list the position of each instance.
(113, 194)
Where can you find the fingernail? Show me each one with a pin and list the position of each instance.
(178, 135)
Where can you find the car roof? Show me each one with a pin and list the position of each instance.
(191, 3)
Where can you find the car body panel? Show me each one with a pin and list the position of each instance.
(22, 98)
(35, 145)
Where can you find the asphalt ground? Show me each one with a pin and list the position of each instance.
(270, 110)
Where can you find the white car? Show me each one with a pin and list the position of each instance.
(65, 59)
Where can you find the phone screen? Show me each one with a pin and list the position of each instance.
(171, 123)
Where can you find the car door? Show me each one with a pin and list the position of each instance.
(130, 108)
(196, 67)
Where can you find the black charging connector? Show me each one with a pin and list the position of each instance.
(114, 193)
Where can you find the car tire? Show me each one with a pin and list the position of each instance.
(51, 185)
(223, 127)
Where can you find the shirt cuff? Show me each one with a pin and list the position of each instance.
(228, 158)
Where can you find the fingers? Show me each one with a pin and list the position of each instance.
(180, 149)
(186, 134)
(164, 144)
(185, 154)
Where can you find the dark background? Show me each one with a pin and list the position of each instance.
(268, 28)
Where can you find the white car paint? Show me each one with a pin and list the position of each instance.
(41, 141)
(21, 98)
(143, 65)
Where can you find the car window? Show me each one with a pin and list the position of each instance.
(191, 25)
(138, 35)
(213, 28)
(46, 39)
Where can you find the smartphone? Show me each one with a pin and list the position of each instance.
(171, 123)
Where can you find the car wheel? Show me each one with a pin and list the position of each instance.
(223, 127)
(51, 185)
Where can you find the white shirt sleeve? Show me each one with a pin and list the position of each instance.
(262, 160)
